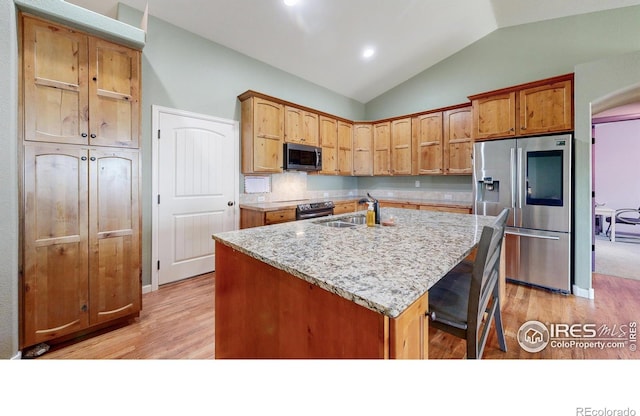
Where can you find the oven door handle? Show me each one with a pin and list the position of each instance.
(303, 216)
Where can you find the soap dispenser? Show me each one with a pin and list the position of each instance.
(371, 215)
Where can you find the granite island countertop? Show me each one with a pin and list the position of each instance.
(383, 268)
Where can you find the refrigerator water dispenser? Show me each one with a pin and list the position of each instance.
(488, 190)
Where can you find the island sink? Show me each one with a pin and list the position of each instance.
(343, 222)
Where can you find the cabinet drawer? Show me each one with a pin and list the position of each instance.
(344, 208)
(283, 215)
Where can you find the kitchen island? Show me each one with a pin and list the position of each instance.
(307, 290)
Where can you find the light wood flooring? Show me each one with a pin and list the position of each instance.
(177, 322)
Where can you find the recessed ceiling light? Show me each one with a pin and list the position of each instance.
(368, 52)
(290, 2)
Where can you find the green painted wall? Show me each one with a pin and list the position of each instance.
(512, 56)
(9, 181)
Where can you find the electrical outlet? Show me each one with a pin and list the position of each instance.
(448, 197)
(417, 184)
(260, 199)
(326, 194)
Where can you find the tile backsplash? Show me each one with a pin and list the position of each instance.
(292, 186)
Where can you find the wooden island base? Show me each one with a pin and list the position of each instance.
(264, 312)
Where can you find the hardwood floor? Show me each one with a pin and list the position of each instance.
(177, 322)
(616, 303)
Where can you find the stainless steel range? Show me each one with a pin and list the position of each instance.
(314, 210)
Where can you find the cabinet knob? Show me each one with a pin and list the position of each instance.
(95, 78)
(92, 158)
(93, 136)
(84, 135)
(83, 158)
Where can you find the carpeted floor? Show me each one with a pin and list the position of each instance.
(621, 258)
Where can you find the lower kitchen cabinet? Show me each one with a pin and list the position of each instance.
(255, 218)
(426, 207)
(439, 208)
(81, 239)
(392, 204)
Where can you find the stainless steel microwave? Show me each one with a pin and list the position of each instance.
(302, 157)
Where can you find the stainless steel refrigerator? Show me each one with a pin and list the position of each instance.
(532, 177)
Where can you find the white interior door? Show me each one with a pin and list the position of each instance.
(197, 182)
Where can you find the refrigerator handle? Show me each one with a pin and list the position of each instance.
(520, 177)
(513, 173)
(544, 237)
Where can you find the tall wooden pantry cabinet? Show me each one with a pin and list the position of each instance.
(80, 184)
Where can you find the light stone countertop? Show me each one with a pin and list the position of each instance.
(383, 268)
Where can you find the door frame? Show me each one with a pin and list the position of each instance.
(156, 112)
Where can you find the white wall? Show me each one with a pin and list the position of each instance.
(617, 167)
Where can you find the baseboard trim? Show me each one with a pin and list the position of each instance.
(18, 356)
(146, 289)
(583, 293)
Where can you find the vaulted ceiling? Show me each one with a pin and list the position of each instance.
(322, 41)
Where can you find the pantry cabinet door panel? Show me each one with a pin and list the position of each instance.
(55, 242)
(55, 86)
(114, 94)
(114, 234)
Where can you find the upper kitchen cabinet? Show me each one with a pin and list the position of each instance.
(345, 148)
(494, 116)
(539, 107)
(382, 148)
(457, 142)
(262, 134)
(401, 156)
(328, 136)
(362, 149)
(79, 89)
(300, 126)
(427, 141)
(546, 108)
